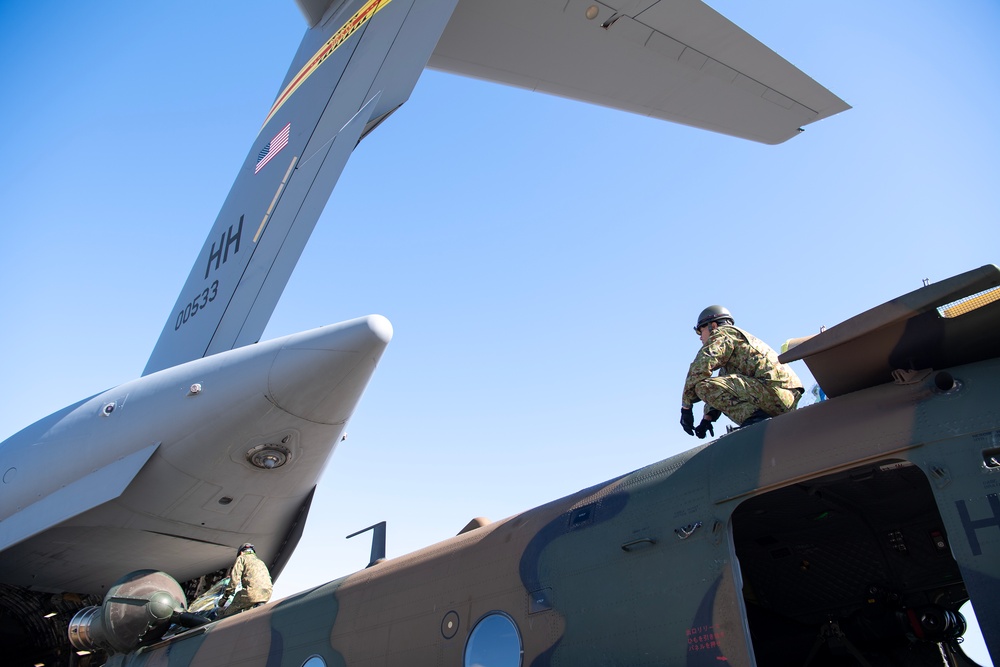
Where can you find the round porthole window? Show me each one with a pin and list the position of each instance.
(314, 661)
(494, 642)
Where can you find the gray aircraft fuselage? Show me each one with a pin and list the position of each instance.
(169, 469)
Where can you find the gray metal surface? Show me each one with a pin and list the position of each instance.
(677, 60)
(198, 495)
(334, 88)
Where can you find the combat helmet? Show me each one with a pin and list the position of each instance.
(245, 547)
(712, 314)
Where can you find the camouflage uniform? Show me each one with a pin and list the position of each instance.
(251, 573)
(751, 377)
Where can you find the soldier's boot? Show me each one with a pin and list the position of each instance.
(757, 416)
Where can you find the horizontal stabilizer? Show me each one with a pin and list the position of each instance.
(944, 324)
(677, 60)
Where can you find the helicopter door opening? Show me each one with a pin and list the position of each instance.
(852, 568)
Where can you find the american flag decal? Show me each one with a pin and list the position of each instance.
(272, 148)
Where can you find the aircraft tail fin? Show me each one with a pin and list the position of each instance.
(355, 67)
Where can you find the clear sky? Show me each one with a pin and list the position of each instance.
(542, 260)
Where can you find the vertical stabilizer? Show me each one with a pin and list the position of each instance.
(358, 64)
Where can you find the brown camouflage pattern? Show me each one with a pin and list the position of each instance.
(782, 543)
(751, 377)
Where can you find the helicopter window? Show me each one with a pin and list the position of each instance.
(494, 642)
(314, 661)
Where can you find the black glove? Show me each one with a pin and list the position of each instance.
(687, 420)
(703, 427)
(712, 415)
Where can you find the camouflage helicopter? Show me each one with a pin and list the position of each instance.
(848, 532)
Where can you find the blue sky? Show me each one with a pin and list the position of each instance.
(541, 260)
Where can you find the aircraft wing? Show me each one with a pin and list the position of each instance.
(677, 60)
